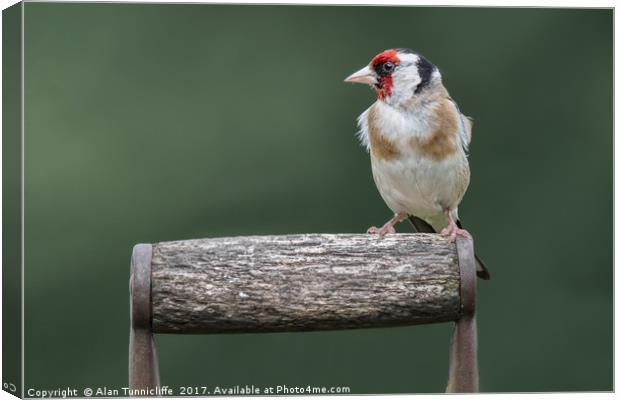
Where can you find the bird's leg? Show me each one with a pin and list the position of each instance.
(452, 229)
(388, 227)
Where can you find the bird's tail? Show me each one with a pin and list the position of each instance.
(424, 227)
(481, 269)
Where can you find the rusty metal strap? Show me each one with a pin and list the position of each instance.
(463, 373)
(140, 286)
(143, 364)
(467, 265)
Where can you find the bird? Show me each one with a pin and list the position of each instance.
(418, 141)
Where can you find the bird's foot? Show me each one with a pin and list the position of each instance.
(388, 227)
(452, 230)
(384, 230)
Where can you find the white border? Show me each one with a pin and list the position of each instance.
(23, 197)
(480, 3)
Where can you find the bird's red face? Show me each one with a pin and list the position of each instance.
(378, 73)
(397, 75)
(384, 64)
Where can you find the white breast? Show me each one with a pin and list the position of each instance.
(396, 124)
(420, 186)
(414, 183)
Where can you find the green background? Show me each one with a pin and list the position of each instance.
(146, 123)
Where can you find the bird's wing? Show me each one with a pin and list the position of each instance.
(468, 123)
(424, 227)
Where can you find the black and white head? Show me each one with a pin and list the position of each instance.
(399, 75)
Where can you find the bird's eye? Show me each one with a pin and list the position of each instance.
(388, 67)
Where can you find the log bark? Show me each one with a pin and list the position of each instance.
(303, 282)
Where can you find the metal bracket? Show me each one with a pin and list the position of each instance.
(463, 372)
(143, 364)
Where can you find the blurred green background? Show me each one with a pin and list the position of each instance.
(147, 123)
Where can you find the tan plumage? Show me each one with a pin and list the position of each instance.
(418, 142)
(443, 138)
(381, 147)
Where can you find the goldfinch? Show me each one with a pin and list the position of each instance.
(418, 142)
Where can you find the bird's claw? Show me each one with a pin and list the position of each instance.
(453, 231)
(384, 230)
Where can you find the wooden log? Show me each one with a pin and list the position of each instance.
(303, 282)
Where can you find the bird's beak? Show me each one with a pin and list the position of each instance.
(365, 75)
